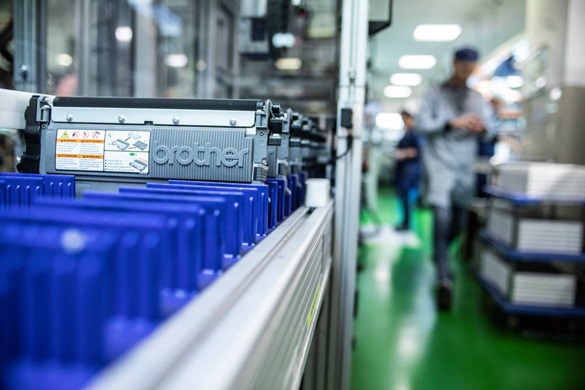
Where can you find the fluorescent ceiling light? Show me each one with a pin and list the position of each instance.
(176, 60)
(64, 60)
(395, 91)
(417, 61)
(389, 120)
(437, 32)
(123, 34)
(288, 64)
(283, 40)
(408, 79)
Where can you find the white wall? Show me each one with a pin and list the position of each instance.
(546, 26)
(574, 69)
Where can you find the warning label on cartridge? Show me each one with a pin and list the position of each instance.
(102, 151)
(80, 150)
(127, 151)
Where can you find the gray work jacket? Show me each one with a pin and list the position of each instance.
(449, 155)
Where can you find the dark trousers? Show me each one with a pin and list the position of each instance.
(404, 195)
(407, 181)
(447, 224)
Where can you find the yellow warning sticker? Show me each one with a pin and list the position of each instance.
(80, 150)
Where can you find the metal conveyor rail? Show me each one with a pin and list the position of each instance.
(251, 329)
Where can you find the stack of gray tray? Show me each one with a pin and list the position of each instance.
(541, 179)
(523, 287)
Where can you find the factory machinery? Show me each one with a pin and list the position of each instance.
(153, 243)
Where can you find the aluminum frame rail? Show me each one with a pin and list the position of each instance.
(251, 329)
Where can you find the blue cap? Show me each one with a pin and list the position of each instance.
(466, 54)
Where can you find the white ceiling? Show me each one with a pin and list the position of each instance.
(486, 24)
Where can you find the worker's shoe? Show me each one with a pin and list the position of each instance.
(444, 295)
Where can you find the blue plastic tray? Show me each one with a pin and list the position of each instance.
(239, 212)
(19, 190)
(2, 194)
(180, 274)
(217, 236)
(260, 192)
(282, 190)
(143, 241)
(55, 300)
(303, 175)
(295, 188)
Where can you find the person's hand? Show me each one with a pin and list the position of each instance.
(402, 154)
(476, 125)
(399, 154)
(469, 122)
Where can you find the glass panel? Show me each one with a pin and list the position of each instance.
(285, 50)
(107, 47)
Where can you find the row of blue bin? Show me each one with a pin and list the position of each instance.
(83, 280)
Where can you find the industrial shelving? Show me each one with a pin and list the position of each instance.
(513, 257)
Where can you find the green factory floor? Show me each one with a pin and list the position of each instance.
(403, 343)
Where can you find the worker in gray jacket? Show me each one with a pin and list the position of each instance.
(451, 118)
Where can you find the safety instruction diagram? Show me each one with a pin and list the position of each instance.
(103, 151)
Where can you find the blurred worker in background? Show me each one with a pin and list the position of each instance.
(452, 117)
(407, 169)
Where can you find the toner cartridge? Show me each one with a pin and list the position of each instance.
(108, 141)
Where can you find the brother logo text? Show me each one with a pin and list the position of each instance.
(185, 155)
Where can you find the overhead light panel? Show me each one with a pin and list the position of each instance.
(64, 60)
(389, 120)
(123, 34)
(176, 60)
(437, 32)
(280, 40)
(288, 64)
(408, 79)
(417, 61)
(397, 91)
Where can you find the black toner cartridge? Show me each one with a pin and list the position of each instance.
(108, 141)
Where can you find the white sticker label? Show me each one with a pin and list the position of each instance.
(103, 151)
(80, 150)
(127, 151)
